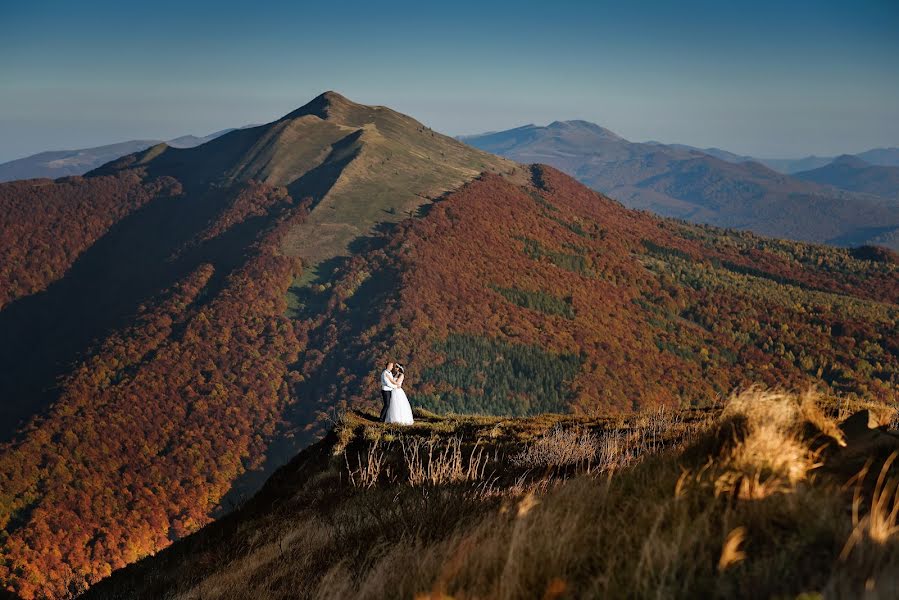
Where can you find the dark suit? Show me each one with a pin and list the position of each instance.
(385, 396)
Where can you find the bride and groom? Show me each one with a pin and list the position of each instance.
(396, 405)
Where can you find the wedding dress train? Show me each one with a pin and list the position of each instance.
(399, 410)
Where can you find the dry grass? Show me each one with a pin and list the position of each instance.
(560, 448)
(880, 526)
(884, 414)
(443, 464)
(773, 455)
(756, 501)
(578, 451)
(731, 553)
(368, 470)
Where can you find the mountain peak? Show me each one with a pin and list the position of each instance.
(586, 126)
(333, 99)
(328, 105)
(850, 160)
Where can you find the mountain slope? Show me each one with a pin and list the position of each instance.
(62, 163)
(146, 356)
(65, 163)
(177, 351)
(786, 166)
(359, 165)
(854, 174)
(688, 184)
(520, 300)
(884, 157)
(718, 153)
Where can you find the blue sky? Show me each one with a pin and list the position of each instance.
(758, 77)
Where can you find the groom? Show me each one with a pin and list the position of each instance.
(388, 384)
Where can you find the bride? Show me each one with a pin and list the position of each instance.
(399, 410)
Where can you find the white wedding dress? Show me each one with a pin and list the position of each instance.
(399, 410)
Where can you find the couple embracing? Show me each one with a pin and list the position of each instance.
(396, 405)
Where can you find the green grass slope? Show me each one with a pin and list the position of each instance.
(359, 165)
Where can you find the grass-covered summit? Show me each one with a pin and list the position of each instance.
(358, 166)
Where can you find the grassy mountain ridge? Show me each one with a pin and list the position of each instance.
(361, 165)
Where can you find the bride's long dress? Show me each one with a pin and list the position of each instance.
(399, 410)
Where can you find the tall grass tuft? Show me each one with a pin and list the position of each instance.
(771, 455)
(430, 462)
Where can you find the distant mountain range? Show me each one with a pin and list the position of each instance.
(852, 173)
(63, 163)
(691, 184)
(848, 203)
(885, 157)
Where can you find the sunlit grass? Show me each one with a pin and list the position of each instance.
(760, 499)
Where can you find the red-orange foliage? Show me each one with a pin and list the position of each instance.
(151, 431)
(649, 328)
(47, 225)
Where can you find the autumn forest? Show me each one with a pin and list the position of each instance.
(162, 352)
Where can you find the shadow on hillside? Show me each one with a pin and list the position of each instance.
(42, 335)
(318, 181)
(381, 234)
(361, 312)
(309, 300)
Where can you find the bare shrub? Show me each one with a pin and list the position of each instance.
(589, 452)
(656, 425)
(614, 451)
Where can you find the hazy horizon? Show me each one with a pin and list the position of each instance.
(757, 78)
